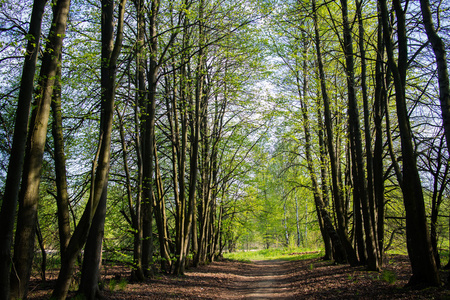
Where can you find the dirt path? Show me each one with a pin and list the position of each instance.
(306, 279)
(268, 280)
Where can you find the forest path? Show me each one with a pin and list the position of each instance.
(265, 279)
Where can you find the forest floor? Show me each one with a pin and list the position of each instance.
(268, 279)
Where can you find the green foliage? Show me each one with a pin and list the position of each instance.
(291, 253)
(115, 285)
(388, 276)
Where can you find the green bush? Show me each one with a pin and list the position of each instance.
(388, 276)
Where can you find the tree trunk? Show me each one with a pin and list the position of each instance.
(110, 52)
(337, 192)
(16, 160)
(340, 253)
(161, 219)
(133, 207)
(378, 172)
(182, 128)
(148, 142)
(436, 199)
(42, 247)
(419, 247)
(140, 113)
(356, 144)
(441, 62)
(62, 196)
(90, 271)
(368, 137)
(37, 134)
(100, 168)
(324, 181)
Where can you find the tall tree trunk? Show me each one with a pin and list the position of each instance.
(324, 180)
(420, 252)
(182, 130)
(37, 133)
(337, 191)
(441, 61)
(148, 142)
(16, 160)
(367, 134)
(340, 253)
(161, 219)
(90, 271)
(100, 168)
(133, 206)
(356, 143)
(378, 172)
(140, 111)
(62, 196)
(436, 199)
(358, 227)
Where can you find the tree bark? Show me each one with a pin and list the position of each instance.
(100, 168)
(37, 133)
(340, 252)
(441, 62)
(356, 144)
(62, 196)
(378, 172)
(337, 192)
(161, 219)
(90, 271)
(110, 52)
(16, 160)
(148, 142)
(420, 252)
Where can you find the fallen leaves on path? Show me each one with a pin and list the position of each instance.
(306, 279)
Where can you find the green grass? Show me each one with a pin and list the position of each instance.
(388, 276)
(117, 285)
(275, 253)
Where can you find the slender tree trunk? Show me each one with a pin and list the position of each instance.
(16, 160)
(340, 253)
(297, 223)
(358, 227)
(90, 271)
(436, 200)
(324, 181)
(62, 196)
(356, 142)
(37, 133)
(378, 172)
(367, 134)
(182, 207)
(148, 142)
(441, 61)
(43, 252)
(337, 191)
(420, 252)
(100, 168)
(141, 96)
(133, 207)
(161, 219)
